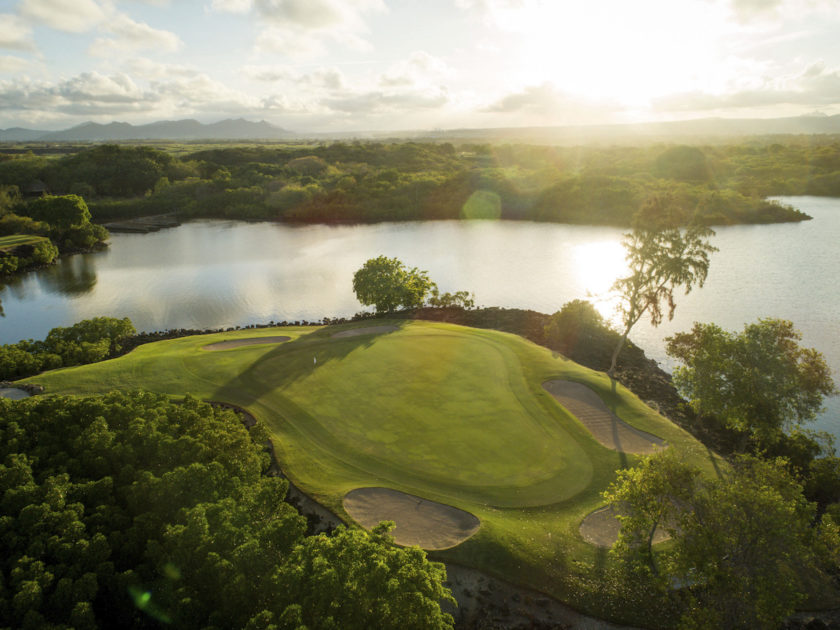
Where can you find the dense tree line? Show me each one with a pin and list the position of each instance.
(127, 510)
(87, 341)
(64, 220)
(364, 182)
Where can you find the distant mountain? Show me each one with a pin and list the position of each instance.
(701, 129)
(19, 134)
(238, 129)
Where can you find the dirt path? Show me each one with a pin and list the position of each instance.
(427, 524)
(238, 343)
(605, 426)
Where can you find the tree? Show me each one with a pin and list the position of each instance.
(388, 285)
(759, 382)
(648, 497)
(661, 257)
(745, 548)
(353, 578)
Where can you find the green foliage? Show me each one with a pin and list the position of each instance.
(577, 325)
(744, 548)
(366, 182)
(648, 497)
(459, 299)
(68, 219)
(388, 285)
(661, 257)
(129, 510)
(759, 382)
(87, 341)
(398, 588)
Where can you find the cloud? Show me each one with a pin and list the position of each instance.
(74, 16)
(92, 95)
(15, 34)
(327, 78)
(231, 6)
(11, 64)
(155, 70)
(302, 28)
(131, 36)
(815, 86)
(543, 98)
(377, 102)
(419, 68)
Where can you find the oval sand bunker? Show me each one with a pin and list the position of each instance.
(610, 430)
(250, 341)
(427, 524)
(601, 528)
(367, 330)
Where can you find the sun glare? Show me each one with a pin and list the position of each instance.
(618, 51)
(597, 266)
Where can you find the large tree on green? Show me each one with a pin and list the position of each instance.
(759, 382)
(661, 257)
(387, 284)
(744, 548)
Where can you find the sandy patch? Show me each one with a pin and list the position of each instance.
(605, 426)
(367, 330)
(420, 522)
(601, 528)
(250, 341)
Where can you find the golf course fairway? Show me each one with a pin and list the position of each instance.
(442, 413)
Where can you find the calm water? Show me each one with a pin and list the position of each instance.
(218, 273)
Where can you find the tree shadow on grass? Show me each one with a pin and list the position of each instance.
(297, 360)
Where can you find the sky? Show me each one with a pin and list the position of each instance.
(383, 65)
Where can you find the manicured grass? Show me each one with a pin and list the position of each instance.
(453, 414)
(15, 240)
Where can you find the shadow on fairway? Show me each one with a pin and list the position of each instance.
(296, 360)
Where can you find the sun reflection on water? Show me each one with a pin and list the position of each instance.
(597, 266)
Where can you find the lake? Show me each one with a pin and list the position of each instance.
(211, 274)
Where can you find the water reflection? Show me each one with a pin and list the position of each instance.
(74, 276)
(220, 273)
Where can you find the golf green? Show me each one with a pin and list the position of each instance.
(450, 414)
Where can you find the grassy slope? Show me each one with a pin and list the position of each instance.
(15, 240)
(450, 413)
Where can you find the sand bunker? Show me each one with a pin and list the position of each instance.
(601, 528)
(367, 330)
(420, 522)
(238, 343)
(605, 426)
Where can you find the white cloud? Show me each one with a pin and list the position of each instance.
(155, 70)
(377, 101)
(11, 64)
(815, 86)
(74, 16)
(326, 78)
(302, 28)
(231, 6)
(15, 33)
(420, 68)
(131, 36)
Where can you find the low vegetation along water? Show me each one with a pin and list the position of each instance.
(210, 274)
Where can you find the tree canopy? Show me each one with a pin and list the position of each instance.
(745, 547)
(661, 257)
(760, 382)
(387, 284)
(128, 510)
